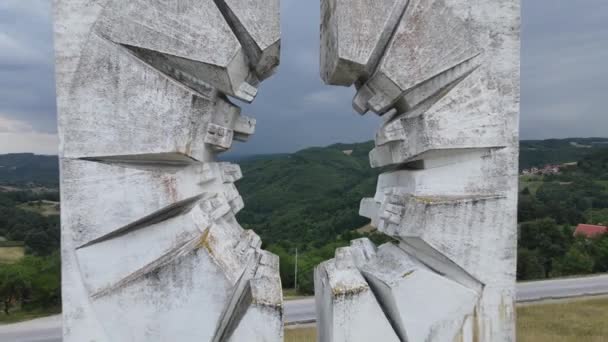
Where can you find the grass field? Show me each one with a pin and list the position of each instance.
(10, 255)
(584, 320)
(301, 335)
(581, 321)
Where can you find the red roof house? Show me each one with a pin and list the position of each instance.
(589, 230)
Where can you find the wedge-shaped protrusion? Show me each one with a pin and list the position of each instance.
(168, 282)
(145, 250)
(260, 301)
(170, 287)
(415, 302)
(417, 103)
(256, 24)
(420, 304)
(421, 137)
(430, 49)
(447, 226)
(133, 117)
(415, 100)
(129, 197)
(354, 35)
(190, 41)
(104, 270)
(347, 310)
(448, 173)
(434, 129)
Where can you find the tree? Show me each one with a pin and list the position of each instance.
(546, 237)
(38, 242)
(599, 252)
(34, 282)
(576, 261)
(529, 265)
(15, 282)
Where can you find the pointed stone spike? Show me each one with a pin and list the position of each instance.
(429, 42)
(354, 35)
(421, 304)
(190, 41)
(347, 310)
(132, 194)
(256, 24)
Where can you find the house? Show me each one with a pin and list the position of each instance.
(546, 170)
(590, 231)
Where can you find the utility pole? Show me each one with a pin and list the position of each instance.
(296, 272)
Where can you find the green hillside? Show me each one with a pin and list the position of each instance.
(309, 197)
(309, 201)
(27, 169)
(557, 151)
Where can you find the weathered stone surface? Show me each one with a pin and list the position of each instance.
(151, 248)
(347, 309)
(354, 35)
(430, 48)
(256, 24)
(141, 111)
(417, 304)
(188, 39)
(447, 86)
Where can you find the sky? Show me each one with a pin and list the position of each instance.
(564, 80)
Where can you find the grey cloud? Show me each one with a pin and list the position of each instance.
(564, 68)
(564, 76)
(27, 91)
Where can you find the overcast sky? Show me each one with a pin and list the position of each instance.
(564, 80)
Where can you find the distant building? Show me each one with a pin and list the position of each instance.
(546, 170)
(590, 231)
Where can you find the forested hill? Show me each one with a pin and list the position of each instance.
(23, 169)
(27, 168)
(308, 197)
(309, 200)
(557, 151)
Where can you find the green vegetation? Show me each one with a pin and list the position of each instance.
(549, 214)
(30, 287)
(309, 200)
(39, 232)
(29, 170)
(557, 151)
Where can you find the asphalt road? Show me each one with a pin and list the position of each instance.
(303, 310)
(562, 288)
(46, 329)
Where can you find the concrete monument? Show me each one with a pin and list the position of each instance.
(151, 248)
(444, 76)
